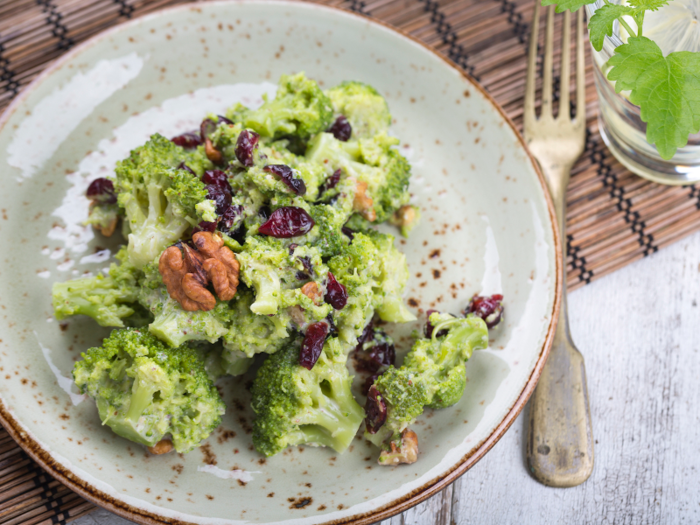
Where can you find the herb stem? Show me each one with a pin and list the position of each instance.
(628, 28)
(625, 24)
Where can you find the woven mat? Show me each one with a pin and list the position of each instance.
(614, 217)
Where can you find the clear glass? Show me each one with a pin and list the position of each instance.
(624, 132)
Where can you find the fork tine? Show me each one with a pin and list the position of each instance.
(565, 79)
(548, 52)
(529, 110)
(580, 72)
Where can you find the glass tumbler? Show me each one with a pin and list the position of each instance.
(624, 132)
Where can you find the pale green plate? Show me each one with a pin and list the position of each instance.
(486, 228)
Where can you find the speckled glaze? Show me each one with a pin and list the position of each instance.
(486, 228)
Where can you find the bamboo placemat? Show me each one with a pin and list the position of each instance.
(614, 217)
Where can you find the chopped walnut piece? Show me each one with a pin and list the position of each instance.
(213, 154)
(362, 203)
(108, 230)
(105, 229)
(407, 453)
(404, 216)
(162, 447)
(296, 312)
(312, 291)
(206, 127)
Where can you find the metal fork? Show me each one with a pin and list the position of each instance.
(560, 439)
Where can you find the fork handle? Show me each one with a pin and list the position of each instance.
(560, 437)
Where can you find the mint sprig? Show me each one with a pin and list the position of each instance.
(666, 89)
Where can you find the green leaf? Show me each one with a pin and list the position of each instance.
(667, 90)
(571, 5)
(630, 60)
(648, 5)
(601, 23)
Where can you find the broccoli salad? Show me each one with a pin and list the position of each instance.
(252, 240)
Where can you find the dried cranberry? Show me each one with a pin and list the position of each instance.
(220, 196)
(265, 212)
(245, 147)
(204, 227)
(102, 190)
(336, 293)
(379, 356)
(348, 232)
(429, 327)
(217, 178)
(368, 383)
(224, 120)
(206, 128)
(330, 183)
(313, 344)
(188, 140)
(287, 175)
(488, 308)
(287, 222)
(332, 329)
(228, 219)
(185, 167)
(375, 408)
(367, 335)
(306, 262)
(341, 129)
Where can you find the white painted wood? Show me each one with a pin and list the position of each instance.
(639, 330)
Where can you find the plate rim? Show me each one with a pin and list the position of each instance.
(402, 503)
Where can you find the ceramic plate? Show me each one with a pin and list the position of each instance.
(487, 227)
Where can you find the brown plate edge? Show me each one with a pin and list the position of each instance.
(96, 496)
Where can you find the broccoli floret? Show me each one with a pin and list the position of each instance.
(296, 406)
(373, 162)
(109, 300)
(365, 109)
(251, 334)
(171, 322)
(374, 274)
(391, 280)
(432, 374)
(300, 108)
(268, 268)
(145, 390)
(161, 201)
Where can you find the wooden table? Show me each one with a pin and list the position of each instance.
(639, 330)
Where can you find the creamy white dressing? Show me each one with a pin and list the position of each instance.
(54, 117)
(240, 475)
(65, 383)
(98, 257)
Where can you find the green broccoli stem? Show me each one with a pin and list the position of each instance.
(141, 397)
(335, 418)
(166, 328)
(273, 117)
(98, 297)
(128, 426)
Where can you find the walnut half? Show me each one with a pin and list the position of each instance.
(221, 264)
(187, 272)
